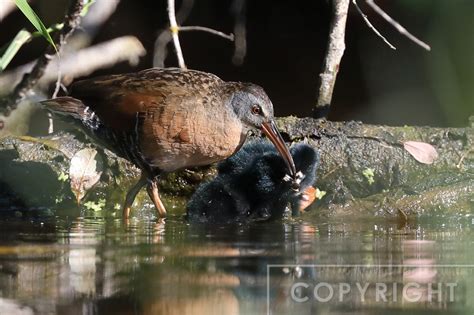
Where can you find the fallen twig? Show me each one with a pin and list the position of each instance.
(463, 156)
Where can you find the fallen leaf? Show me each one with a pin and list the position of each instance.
(422, 152)
(84, 172)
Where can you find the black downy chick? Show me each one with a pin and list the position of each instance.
(253, 185)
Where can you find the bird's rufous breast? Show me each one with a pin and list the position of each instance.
(192, 132)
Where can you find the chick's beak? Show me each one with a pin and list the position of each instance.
(271, 131)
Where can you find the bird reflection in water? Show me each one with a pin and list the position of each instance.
(253, 185)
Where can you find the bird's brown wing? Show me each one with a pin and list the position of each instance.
(116, 99)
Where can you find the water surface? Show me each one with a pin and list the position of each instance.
(97, 265)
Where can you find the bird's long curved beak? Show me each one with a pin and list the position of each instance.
(271, 131)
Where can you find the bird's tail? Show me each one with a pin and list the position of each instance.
(66, 106)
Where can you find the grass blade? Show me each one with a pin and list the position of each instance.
(20, 39)
(35, 20)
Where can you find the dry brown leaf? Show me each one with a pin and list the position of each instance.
(422, 152)
(84, 172)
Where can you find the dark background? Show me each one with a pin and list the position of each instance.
(286, 42)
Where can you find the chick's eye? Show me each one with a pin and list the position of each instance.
(256, 110)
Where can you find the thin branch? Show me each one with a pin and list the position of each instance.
(174, 33)
(97, 15)
(55, 94)
(58, 80)
(184, 10)
(335, 51)
(6, 7)
(207, 29)
(371, 26)
(240, 30)
(161, 48)
(397, 25)
(29, 80)
(164, 36)
(461, 160)
(75, 64)
(82, 62)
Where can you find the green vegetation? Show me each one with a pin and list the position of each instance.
(35, 20)
(369, 175)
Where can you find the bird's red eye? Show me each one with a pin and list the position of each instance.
(256, 110)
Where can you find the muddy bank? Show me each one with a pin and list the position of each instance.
(364, 170)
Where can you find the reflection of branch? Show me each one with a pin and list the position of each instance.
(397, 25)
(83, 62)
(371, 26)
(174, 33)
(335, 51)
(29, 80)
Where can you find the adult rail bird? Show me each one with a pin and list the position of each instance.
(163, 120)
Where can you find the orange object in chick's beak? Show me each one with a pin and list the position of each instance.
(307, 198)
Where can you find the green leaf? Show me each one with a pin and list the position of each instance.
(35, 20)
(20, 39)
(53, 28)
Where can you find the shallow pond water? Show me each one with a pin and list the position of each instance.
(97, 265)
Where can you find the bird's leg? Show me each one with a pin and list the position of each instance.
(152, 190)
(132, 193)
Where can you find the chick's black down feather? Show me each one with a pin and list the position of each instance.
(250, 185)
